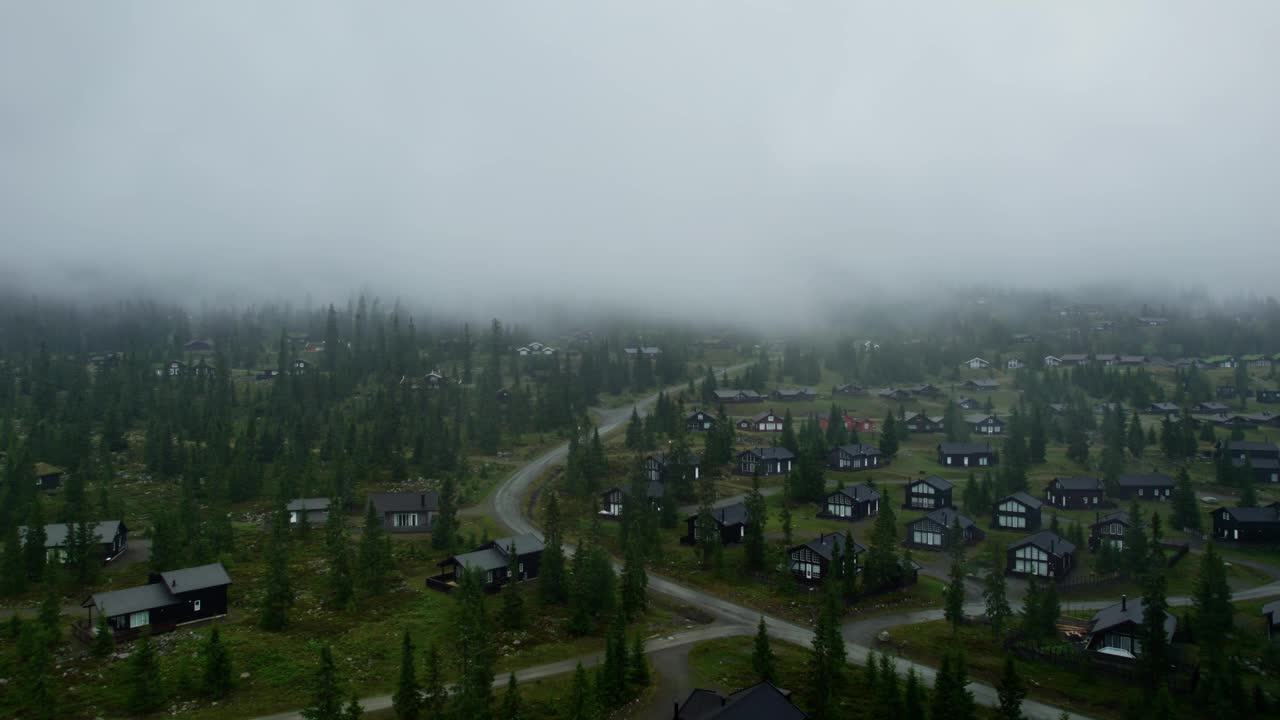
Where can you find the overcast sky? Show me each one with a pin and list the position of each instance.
(664, 153)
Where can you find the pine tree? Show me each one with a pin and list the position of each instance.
(337, 543)
(763, 662)
(582, 705)
(912, 697)
(1033, 611)
(216, 680)
(434, 694)
(50, 615)
(552, 584)
(34, 540)
(888, 696)
(635, 581)
(326, 695)
(146, 693)
(1213, 621)
(511, 701)
(637, 664)
(995, 592)
(753, 539)
(473, 642)
(13, 566)
(104, 642)
(1186, 511)
(407, 700)
(827, 659)
(1011, 692)
(889, 437)
(375, 555)
(446, 523)
(279, 596)
(1155, 644)
(512, 602)
(954, 600)
(883, 569)
(36, 684)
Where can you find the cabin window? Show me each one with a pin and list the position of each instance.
(921, 536)
(195, 605)
(405, 520)
(842, 511)
(1013, 521)
(809, 570)
(139, 619)
(293, 516)
(1139, 492)
(982, 461)
(1095, 499)
(1032, 561)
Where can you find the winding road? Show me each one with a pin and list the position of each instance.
(731, 619)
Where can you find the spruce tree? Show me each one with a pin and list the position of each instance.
(763, 662)
(13, 567)
(635, 581)
(827, 659)
(995, 592)
(883, 569)
(889, 437)
(552, 585)
(912, 697)
(338, 545)
(1033, 611)
(354, 710)
(326, 693)
(888, 696)
(50, 615)
(473, 642)
(375, 555)
(445, 528)
(146, 692)
(637, 664)
(511, 701)
(1011, 692)
(434, 694)
(582, 703)
(1186, 511)
(953, 608)
(753, 539)
(216, 679)
(1213, 622)
(512, 602)
(279, 594)
(36, 684)
(407, 700)
(1155, 644)
(104, 642)
(34, 540)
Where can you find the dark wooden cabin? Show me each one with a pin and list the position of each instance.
(770, 461)
(1044, 555)
(851, 503)
(1075, 493)
(730, 520)
(493, 560)
(966, 454)
(406, 512)
(927, 493)
(1018, 511)
(171, 599)
(810, 562)
(933, 531)
(111, 537)
(1109, 529)
(763, 701)
(1248, 524)
(854, 457)
(1153, 486)
(1117, 629)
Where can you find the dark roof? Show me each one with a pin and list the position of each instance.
(321, 503)
(1133, 611)
(957, 448)
(947, 517)
(1120, 517)
(1048, 541)
(859, 493)
(654, 489)
(975, 418)
(860, 449)
(730, 514)
(771, 453)
(693, 459)
(735, 393)
(195, 578)
(933, 481)
(134, 599)
(699, 411)
(794, 391)
(1165, 406)
(493, 555)
(758, 702)
(1145, 481)
(983, 382)
(827, 542)
(1023, 498)
(764, 415)
(55, 535)
(405, 501)
(1079, 483)
(1254, 514)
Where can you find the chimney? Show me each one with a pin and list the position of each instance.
(676, 715)
(1124, 602)
(423, 499)
(173, 583)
